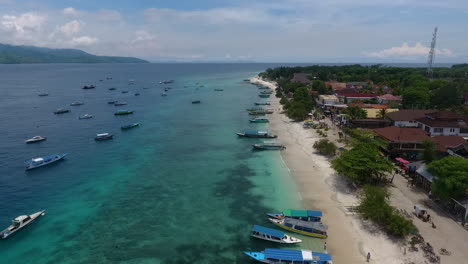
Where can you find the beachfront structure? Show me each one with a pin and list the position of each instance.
(408, 117)
(402, 140)
(373, 110)
(388, 98)
(328, 100)
(444, 123)
(273, 255)
(351, 97)
(301, 78)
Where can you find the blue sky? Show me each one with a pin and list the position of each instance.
(243, 30)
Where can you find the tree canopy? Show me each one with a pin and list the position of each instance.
(451, 177)
(355, 112)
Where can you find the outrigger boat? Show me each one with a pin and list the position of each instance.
(273, 235)
(256, 134)
(35, 139)
(85, 116)
(264, 95)
(196, 102)
(61, 111)
(117, 103)
(87, 87)
(259, 120)
(262, 103)
(304, 215)
(103, 136)
(123, 112)
(77, 103)
(313, 229)
(130, 126)
(42, 161)
(263, 88)
(218, 90)
(277, 256)
(20, 222)
(266, 92)
(269, 146)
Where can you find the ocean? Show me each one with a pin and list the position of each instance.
(181, 188)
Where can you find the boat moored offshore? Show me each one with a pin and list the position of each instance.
(304, 215)
(103, 136)
(117, 103)
(130, 126)
(43, 161)
(264, 95)
(269, 145)
(77, 103)
(87, 87)
(277, 256)
(313, 229)
(19, 222)
(273, 235)
(35, 139)
(85, 116)
(123, 112)
(259, 120)
(61, 111)
(256, 134)
(262, 103)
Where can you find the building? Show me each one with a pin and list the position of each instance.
(373, 110)
(389, 98)
(351, 97)
(424, 178)
(403, 140)
(407, 118)
(328, 100)
(336, 86)
(370, 123)
(358, 85)
(301, 78)
(444, 123)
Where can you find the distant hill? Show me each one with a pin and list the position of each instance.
(10, 54)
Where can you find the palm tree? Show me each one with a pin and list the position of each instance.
(383, 113)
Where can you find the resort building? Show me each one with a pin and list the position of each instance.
(444, 123)
(328, 100)
(351, 97)
(407, 118)
(388, 98)
(301, 78)
(373, 110)
(402, 140)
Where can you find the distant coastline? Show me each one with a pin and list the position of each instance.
(10, 54)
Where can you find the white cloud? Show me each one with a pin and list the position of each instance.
(70, 11)
(71, 28)
(109, 15)
(23, 24)
(142, 35)
(83, 41)
(406, 50)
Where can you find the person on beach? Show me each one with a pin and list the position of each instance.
(368, 256)
(325, 247)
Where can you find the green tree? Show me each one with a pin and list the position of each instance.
(325, 147)
(416, 98)
(355, 112)
(383, 113)
(362, 164)
(283, 101)
(451, 177)
(429, 153)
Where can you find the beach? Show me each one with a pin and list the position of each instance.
(350, 238)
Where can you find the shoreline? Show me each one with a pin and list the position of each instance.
(350, 238)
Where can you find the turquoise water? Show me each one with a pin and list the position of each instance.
(182, 188)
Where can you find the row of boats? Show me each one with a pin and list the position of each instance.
(304, 222)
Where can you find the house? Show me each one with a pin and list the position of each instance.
(444, 123)
(336, 86)
(445, 143)
(358, 85)
(403, 140)
(301, 78)
(424, 178)
(388, 98)
(328, 100)
(373, 110)
(351, 97)
(407, 118)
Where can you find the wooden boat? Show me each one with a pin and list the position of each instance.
(43, 161)
(257, 113)
(35, 139)
(255, 109)
(61, 111)
(256, 134)
(304, 215)
(77, 103)
(124, 92)
(218, 90)
(263, 88)
(268, 146)
(111, 102)
(20, 222)
(85, 116)
(196, 102)
(266, 92)
(273, 235)
(280, 256)
(262, 103)
(130, 126)
(313, 229)
(123, 112)
(264, 95)
(103, 136)
(117, 103)
(137, 94)
(87, 87)
(112, 89)
(259, 120)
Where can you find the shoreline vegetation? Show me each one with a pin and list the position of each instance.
(352, 234)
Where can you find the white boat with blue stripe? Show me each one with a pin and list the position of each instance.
(43, 161)
(273, 235)
(272, 255)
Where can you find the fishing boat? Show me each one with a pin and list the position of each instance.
(137, 94)
(112, 89)
(196, 102)
(267, 145)
(35, 139)
(273, 235)
(263, 112)
(313, 229)
(103, 136)
(61, 111)
(87, 87)
(218, 90)
(255, 109)
(117, 103)
(277, 256)
(263, 88)
(123, 112)
(253, 113)
(77, 103)
(264, 95)
(130, 126)
(266, 92)
(111, 102)
(85, 116)
(256, 134)
(19, 222)
(304, 215)
(43, 94)
(43, 161)
(262, 103)
(124, 92)
(259, 120)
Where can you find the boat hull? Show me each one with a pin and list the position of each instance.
(262, 147)
(5, 235)
(255, 136)
(30, 166)
(299, 231)
(103, 138)
(31, 141)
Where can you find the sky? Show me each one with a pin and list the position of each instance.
(244, 30)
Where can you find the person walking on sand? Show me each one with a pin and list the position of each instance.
(368, 256)
(325, 247)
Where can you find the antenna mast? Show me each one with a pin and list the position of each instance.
(430, 58)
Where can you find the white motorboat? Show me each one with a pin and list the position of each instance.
(20, 222)
(35, 139)
(273, 235)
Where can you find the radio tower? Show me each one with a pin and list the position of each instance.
(430, 58)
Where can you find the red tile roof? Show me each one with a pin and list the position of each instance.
(444, 119)
(444, 142)
(408, 114)
(357, 95)
(402, 134)
(390, 97)
(301, 78)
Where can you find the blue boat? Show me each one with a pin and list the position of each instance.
(273, 235)
(42, 161)
(256, 134)
(304, 215)
(130, 126)
(273, 255)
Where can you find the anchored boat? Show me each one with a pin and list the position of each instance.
(123, 112)
(77, 103)
(196, 102)
(130, 126)
(218, 90)
(20, 222)
(313, 229)
(256, 134)
(87, 87)
(264, 95)
(272, 255)
(103, 136)
(304, 215)
(117, 103)
(35, 139)
(262, 103)
(267, 145)
(61, 111)
(43, 161)
(259, 120)
(85, 116)
(43, 94)
(273, 235)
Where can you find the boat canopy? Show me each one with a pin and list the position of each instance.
(21, 218)
(255, 132)
(302, 213)
(314, 225)
(268, 231)
(102, 135)
(295, 255)
(38, 159)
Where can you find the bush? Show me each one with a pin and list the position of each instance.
(283, 101)
(325, 147)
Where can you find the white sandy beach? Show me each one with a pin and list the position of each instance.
(350, 238)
